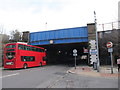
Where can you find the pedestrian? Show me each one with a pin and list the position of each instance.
(118, 63)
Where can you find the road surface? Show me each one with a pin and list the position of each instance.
(52, 76)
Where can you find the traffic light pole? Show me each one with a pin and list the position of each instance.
(98, 62)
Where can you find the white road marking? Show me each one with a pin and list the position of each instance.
(9, 75)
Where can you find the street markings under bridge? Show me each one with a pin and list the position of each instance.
(10, 75)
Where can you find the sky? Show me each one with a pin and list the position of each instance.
(42, 15)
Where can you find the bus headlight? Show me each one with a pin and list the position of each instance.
(9, 63)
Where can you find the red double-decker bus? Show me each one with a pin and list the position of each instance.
(19, 55)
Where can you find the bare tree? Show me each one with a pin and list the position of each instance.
(5, 38)
(1, 29)
(15, 36)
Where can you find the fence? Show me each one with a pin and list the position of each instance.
(109, 26)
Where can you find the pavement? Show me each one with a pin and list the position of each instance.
(105, 71)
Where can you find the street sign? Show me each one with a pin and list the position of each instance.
(93, 57)
(84, 57)
(92, 44)
(93, 51)
(75, 51)
(74, 54)
(109, 45)
(85, 50)
(110, 49)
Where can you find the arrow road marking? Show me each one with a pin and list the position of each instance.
(9, 75)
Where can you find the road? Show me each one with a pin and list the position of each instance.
(52, 76)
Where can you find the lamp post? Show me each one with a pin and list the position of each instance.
(46, 26)
(98, 62)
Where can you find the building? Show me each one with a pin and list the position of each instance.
(1, 49)
(25, 36)
(59, 44)
(104, 37)
(3, 40)
(119, 15)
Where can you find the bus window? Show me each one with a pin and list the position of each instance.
(32, 58)
(10, 55)
(27, 58)
(11, 50)
(11, 46)
(28, 48)
(21, 46)
(34, 49)
(25, 47)
(40, 50)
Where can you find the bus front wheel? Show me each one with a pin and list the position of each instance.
(25, 66)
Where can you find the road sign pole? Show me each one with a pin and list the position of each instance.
(75, 54)
(111, 63)
(110, 49)
(75, 62)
